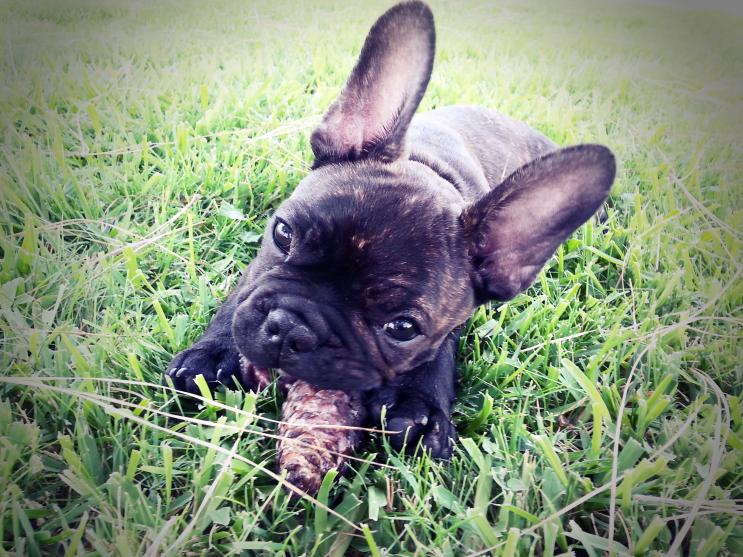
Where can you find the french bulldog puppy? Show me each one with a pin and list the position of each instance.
(404, 226)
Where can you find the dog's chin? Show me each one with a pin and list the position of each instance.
(336, 374)
(349, 382)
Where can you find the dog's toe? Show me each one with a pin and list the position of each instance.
(440, 437)
(419, 425)
(217, 366)
(407, 432)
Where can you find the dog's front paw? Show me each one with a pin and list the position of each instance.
(218, 365)
(419, 423)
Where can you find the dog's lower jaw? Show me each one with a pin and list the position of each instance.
(351, 382)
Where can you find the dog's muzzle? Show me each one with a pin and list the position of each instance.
(308, 340)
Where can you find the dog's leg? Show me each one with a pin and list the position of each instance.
(420, 406)
(214, 355)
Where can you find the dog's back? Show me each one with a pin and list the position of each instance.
(472, 147)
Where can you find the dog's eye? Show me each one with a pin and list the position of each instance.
(401, 329)
(282, 235)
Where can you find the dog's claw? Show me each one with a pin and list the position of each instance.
(421, 424)
(440, 444)
(215, 363)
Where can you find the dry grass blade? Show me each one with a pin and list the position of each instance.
(197, 421)
(617, 439)
(290, 127)
(601, 489)
(679, 183)
(199, 398)
(711, 505)
(176, 547)
(109, 408)
(717, 452)
(625, 392)
(237, 429)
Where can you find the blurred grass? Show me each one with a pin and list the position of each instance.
(143, 146)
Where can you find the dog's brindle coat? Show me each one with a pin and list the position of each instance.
(403, 227)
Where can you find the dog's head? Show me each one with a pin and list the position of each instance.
(373, 260)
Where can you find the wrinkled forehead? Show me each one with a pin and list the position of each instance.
(372, 224)
(370, 183)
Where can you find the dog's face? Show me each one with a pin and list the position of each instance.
(373, 260)
(361, 275)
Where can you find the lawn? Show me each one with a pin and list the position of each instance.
(143, 147)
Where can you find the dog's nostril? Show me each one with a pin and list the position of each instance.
(301, 339)
(299, 345)
(272, 328)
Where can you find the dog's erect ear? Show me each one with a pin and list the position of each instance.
(514, 229)
(370, 117)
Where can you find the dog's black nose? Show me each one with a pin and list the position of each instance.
(285, 328)
(279, 322)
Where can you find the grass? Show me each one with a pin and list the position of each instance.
(143, 146)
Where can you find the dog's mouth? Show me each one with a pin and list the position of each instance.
(347, 375)
(324, 368)
(352, 377)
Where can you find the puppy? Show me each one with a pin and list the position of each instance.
(404, 226)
